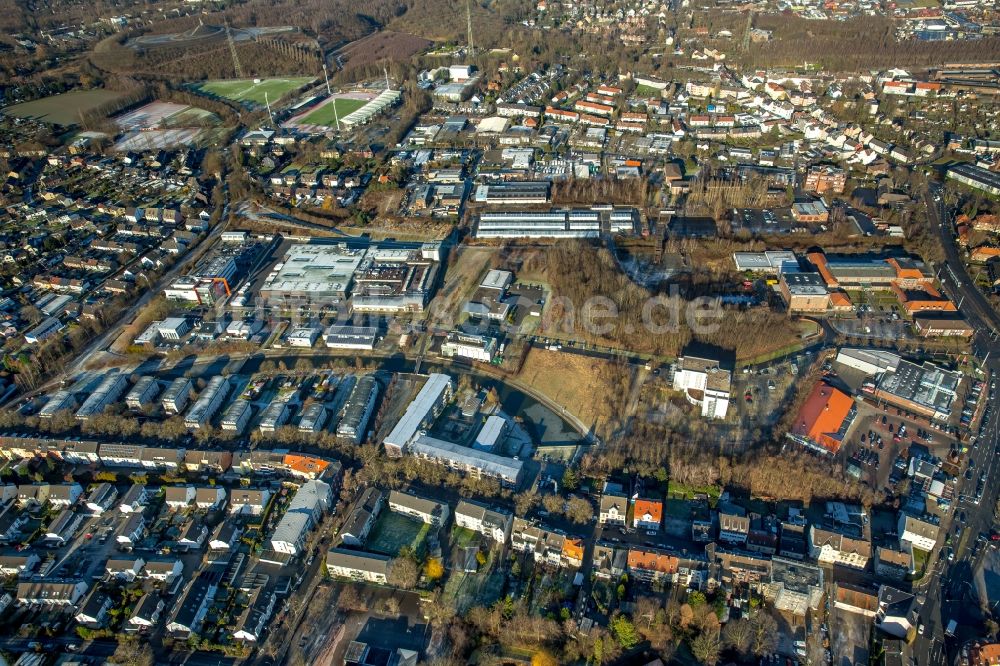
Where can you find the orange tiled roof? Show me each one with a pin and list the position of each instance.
(573, 549)
(822, 415)
(984, 253)
(653, 507)
(818, 260)
(651, 561)
(305, 464)
(839, 299)
(905, 273)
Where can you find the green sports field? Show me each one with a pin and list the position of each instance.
(245, 90)
(324, 114)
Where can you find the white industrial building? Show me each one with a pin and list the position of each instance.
(477, 347)
(243, 330)
(539, 224)
(315, 275)
(341, 336)
(304, 336)
(107, 392)
(311, 501)
(433, 395)
(623, 220)
(497, 280)
(208, 403)
(173, 328)
(772, 261)
(518, 192)
(143, 393)
(869, 361)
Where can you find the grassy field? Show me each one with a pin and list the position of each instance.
(245, 90)
(393, 531)
(64, 109)
(592, 389)
(324, 114)
(684, 491)
(647, 91)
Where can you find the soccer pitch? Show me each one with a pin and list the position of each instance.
(324, 114)
(245, 90)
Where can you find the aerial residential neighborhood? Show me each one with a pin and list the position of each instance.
(593, 333)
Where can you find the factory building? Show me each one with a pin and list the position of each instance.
(923, 389)
(539, 224)
(304, 336)
(477, 347)
(514, 193)
(341, 336)
(312, 277)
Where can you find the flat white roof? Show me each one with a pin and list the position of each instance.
(496, 279)
(315, 268)
(492, 429)
(407, 426)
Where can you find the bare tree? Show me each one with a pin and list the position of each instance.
(706, 647)
(403, 572)
(737, 635)
(765, 633)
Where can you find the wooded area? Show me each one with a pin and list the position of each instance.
(579, 272)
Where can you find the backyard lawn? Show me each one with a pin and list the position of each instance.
(393, 531)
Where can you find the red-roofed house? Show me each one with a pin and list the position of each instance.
(651, 565)
(647, 514)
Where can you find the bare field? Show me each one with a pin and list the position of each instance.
(466, 267)
(64, 109)
(592, 389)
(381, 46)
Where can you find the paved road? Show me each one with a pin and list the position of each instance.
(105, 339)
(953, 596)
(97, 648)
(950, 589)
(959, 284)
